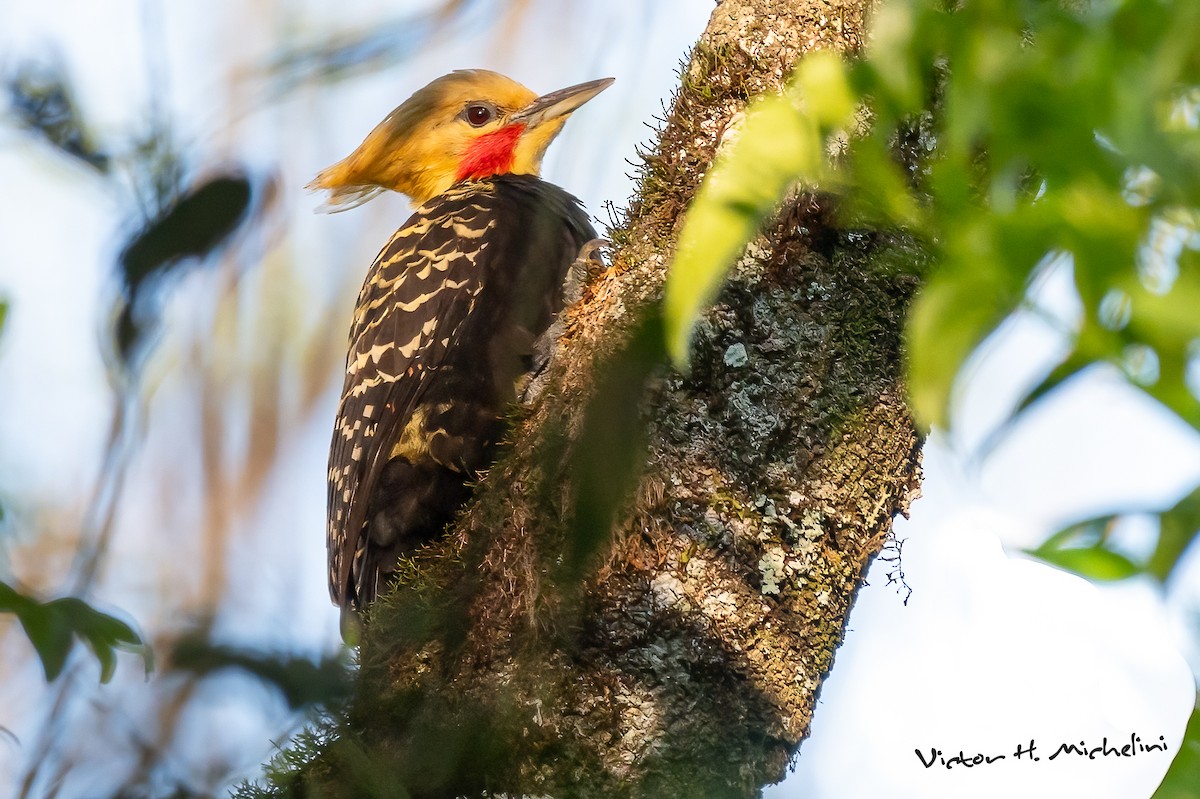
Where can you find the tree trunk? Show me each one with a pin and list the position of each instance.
(687, 661)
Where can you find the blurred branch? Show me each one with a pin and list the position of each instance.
(383, 43)
(41, 102)
(301, 681)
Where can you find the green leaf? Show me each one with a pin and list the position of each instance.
(1071, 366)
(949, 319)
(102, 633)
(192, 227)
(1178, 528)
(50, 635)
(1095, 563)
(196, 224)
(1042, 113)
(893, 70)
(1075, 547)
(1080, 548)
(1087, 533)
(882, 195)
(778, 144)
(52, 628)
(1183, 776)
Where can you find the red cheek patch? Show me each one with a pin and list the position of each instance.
(491, 154)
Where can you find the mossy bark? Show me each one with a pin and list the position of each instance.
(689, 660)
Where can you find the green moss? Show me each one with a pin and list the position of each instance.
(295, 768)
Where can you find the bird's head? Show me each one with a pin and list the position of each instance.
(469, 124)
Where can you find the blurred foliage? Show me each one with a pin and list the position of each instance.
(192, 226)
(180, 221)
(41, 102)
(53, 626)
(180, 225)
(374, 47)
(609, 455)
(177, 226)
(1081, 548)
(1003, 137)
(1034, 132)
(1056, 131)
(1183, 779)
(1177, 529)
(303, 683)
(408, 743)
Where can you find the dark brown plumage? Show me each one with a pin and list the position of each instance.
(443, 330)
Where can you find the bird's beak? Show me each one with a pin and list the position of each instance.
(560, 103)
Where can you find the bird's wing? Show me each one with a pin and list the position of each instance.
(410, 313)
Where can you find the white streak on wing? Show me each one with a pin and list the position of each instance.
(374, 354)
(407, 349)
(418, 301)
(468, 232)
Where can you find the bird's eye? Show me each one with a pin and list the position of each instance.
(479, 115)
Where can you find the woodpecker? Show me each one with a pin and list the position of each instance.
(445, 323)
